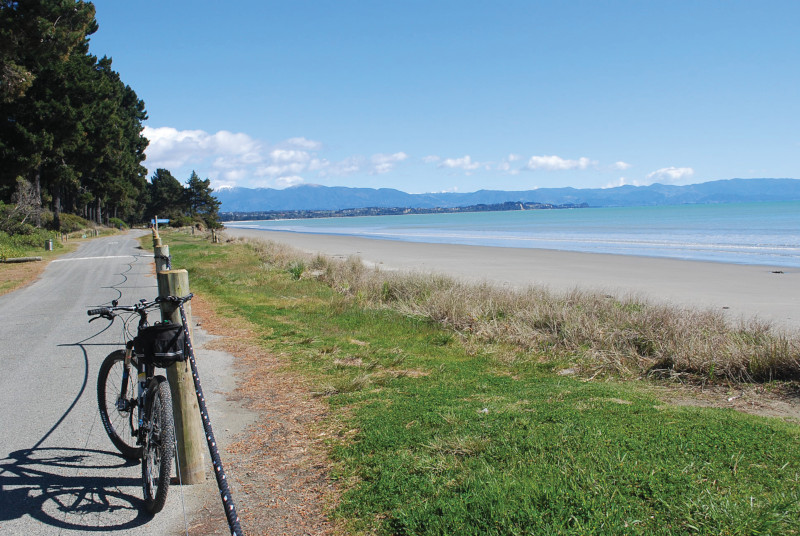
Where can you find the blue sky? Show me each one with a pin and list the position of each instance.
(429, 96)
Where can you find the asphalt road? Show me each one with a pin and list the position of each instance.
(59, 472)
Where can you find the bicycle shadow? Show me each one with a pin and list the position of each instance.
(44, 483)
(68, 487)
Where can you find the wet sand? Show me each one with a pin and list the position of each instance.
(741, 291)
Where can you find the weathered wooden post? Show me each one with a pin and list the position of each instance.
(156, 238)
(161, 255)
(188, 426)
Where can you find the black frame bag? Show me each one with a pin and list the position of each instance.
(160, 345)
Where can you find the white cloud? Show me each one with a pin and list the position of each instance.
(671, 174)
(232, 159)
(505, 165)
(277, 170)
(171, 148)
(383, 163)
(232, 143)
(556, 163)
(304, 143)
(318, 164)
(622, 181)
(465, 163)
(622, 166)
(285, 182)
(234, 175)
(282, 156)
(348, 166)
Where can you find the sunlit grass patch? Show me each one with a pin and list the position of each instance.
(458, 423)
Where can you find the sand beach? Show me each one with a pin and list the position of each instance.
(741, 291)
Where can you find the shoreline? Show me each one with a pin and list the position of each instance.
(742, 291)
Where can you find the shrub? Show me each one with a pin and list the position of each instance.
(23, 245)
(118, 223)
(71, 223)
(297, 268)
(181, 221)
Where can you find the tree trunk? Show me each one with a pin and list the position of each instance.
(98, 212)
(37, 185)
(57, 208)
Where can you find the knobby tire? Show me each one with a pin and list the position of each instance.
(159, 446)
(120, 424)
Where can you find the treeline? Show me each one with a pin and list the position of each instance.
(70, 129)
(182, 205)
(389, 211)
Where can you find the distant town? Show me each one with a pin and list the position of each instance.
(389, 211)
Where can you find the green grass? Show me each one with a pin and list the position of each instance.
(26, 245)
(445, 433)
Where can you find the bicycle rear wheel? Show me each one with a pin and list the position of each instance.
(159, 445)
(118, 409)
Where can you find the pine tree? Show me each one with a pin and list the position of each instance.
(167, 198)
(68, 124)
(201, 203)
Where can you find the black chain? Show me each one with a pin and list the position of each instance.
(219, 472)
(167, 259)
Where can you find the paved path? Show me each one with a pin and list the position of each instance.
(59, 473)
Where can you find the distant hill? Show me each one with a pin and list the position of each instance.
(314, 197)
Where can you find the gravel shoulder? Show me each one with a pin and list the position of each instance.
(273, 454)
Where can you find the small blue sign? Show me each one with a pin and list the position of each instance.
(160, 220)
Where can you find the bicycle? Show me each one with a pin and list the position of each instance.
(137, 415)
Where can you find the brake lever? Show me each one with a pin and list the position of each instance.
(107, 317)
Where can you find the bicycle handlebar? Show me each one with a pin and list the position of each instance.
(108, 312)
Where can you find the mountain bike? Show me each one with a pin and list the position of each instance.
(137, 412)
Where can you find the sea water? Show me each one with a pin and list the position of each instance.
(742, 233)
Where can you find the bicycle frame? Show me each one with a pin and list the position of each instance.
(143, 377)
(145, 372)
(148, 433)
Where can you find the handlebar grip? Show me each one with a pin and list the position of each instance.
(101, 311)
(174, 299)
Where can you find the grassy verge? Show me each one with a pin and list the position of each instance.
(16, 275)
(26, 245)
(436, 429)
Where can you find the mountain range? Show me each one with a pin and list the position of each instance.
(316, 197)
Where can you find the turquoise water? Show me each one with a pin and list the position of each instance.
(746, 233)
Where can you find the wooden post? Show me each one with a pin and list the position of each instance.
(156, 238)
(188, 426)
(161, 253)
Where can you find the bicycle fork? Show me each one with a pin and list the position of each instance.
(123, 403)
(127, 405)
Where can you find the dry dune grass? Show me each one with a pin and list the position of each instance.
(600, 333)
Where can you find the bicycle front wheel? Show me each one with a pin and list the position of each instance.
(118, 408)
(159, 445)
